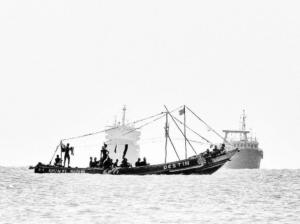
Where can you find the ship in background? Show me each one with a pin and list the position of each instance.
(120, 134)
(250, 154)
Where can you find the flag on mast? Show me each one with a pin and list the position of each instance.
(182, 111)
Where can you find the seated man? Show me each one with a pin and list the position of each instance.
(58, 161)
(222, 149)
(125, 163)
(95, 163)
(144, 162)
(91, 162)
(138, 162)
(215, 151)
(116, 163)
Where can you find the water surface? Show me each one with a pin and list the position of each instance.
(228, 196)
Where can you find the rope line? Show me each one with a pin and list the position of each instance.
(208, 126)
(193, 131)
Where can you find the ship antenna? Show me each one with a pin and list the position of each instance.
(244, 121)
(124, 112)
(244, 125)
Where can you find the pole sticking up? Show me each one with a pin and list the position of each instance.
(184, 118)
(180, 129)
(166, 135)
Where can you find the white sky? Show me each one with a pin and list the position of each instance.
(67, 68)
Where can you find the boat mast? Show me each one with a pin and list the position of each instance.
(180, 132)
(166, 136)
(184, 131)
(123, 118)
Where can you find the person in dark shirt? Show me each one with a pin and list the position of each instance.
(144, 162)
(104, 152)
(215, 151)
(125, 163)
(67, 150)
(222, 148)
(116, 163)
(138, 162)
(91, 162)
(107, 163)
(57, 161)
(95, 163)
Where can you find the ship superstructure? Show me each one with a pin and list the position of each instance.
(120, 134)
(250, 154)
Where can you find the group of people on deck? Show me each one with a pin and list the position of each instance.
(215, 151)
(141, 163)
(104, 162)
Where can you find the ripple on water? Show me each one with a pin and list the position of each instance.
(228, 196)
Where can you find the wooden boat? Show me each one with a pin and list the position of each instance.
(203, 163)
(199, 164)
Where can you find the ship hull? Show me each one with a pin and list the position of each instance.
(245, 159)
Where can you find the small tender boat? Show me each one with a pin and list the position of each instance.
(201, 163)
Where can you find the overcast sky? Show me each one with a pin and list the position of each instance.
(67, 67)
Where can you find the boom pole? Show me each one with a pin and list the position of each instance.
(184, 118)
(166, 135)
(180, 130)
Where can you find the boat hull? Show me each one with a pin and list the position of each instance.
(245, 159)
(193, 165)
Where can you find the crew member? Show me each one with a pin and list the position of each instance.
(116, 163)
(91, 162)
(222, 148)
(67, 149)
(104, 152)
(57, 161)
(138, 162)
(144, 162)
(215, 151)
(95, 163)
(125, 163)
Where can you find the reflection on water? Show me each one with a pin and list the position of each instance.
(228, 196)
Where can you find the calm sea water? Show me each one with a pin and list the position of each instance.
(228, 196)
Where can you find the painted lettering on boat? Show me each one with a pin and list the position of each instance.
(176, 165)
(65, 171)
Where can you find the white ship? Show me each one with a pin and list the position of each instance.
(250, 154)
(120, 134)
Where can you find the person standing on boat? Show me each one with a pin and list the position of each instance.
(66, 149)
(91, 162)
(104, 153)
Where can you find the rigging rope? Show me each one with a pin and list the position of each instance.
(131, 123)
(193, 131)
(126, 133)
(208, 126)
(180, 130)
(57, 147)
(104, 130)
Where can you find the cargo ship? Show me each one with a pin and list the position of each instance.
(120, 134)
(250, 154)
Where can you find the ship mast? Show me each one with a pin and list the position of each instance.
(243, 128)
(123, 117)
